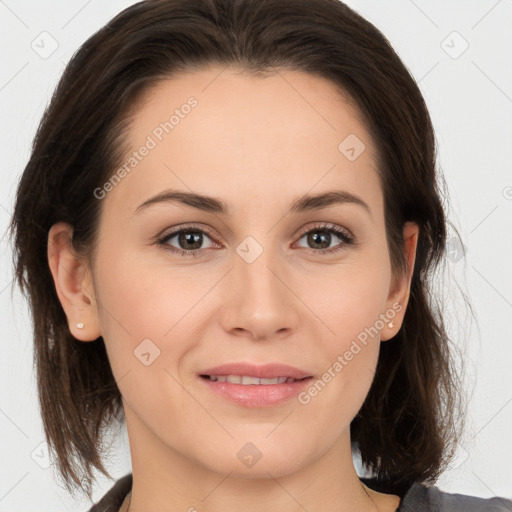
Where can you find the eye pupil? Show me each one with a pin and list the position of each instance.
(194, 238)
(317, 237)
(189, 242)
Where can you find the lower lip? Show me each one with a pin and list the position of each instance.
(260, 395)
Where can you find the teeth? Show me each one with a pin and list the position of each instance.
(247, 380)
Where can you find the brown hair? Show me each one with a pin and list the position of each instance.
(407, 424)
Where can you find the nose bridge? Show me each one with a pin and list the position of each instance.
(256, 267)
(259, 300)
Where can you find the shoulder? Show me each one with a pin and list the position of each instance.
(420, 498)
(113, 499)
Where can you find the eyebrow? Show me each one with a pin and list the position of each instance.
(303, 204)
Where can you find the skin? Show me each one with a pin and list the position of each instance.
(257, 144)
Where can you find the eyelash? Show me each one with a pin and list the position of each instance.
(344, 235)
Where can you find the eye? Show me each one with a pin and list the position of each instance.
(189, 241)
(322, 236)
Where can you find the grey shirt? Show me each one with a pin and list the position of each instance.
(418, 498)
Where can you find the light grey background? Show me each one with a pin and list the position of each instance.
(469, 94)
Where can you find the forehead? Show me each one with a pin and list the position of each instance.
(218, 130)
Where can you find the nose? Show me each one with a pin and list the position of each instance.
(259, 301)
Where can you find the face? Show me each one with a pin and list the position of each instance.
(258, 275)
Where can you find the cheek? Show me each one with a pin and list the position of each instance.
(349, 303)
(141, 316)
(148, 300)
(152, 313)
(349, 298)
(350, 307)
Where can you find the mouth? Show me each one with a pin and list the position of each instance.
(249, 385)
(247, 380)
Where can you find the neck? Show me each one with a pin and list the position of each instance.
(166, 480)
(125, 507)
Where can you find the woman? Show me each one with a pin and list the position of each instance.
(226, 229)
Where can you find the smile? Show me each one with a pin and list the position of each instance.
(246, 380)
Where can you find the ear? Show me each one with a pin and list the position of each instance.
(400, 289)
(73, 283)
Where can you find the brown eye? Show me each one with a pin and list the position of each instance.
(186, 241)
(320, 239)
(190, 240)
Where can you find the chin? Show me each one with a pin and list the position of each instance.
(263, 469)
(258, 459)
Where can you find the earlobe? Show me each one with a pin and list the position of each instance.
(73, 283)
(400, 292)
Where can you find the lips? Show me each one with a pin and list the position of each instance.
(247, 380)
(267, 371)
(249, 385)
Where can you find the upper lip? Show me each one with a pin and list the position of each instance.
(264, 371)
